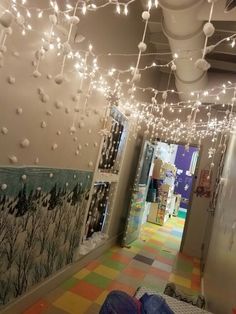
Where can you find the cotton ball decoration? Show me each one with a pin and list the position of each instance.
(81, 124)
(13, 159)
(43, 124)
(51, 175)
(11, 80)
(39, 188)
(59, 79)
(77, 152)
(58, 132)
(25, 143)
(49, 76)
(142, 46)
(48, 113)
(16, 54)
(89, 131)
(54, 146)
(74, 20)
(6, 19)
(3, 49)
(40, 91)
(90, 164)
(212, 164)
(95, 144)
(4, 130)
(53, 19)
(72, 129)
(79, 147)
(20, 20)
(24, 177)
(3, 186)
(36, 74)
(202, 64)
(208, 29)
(19, 111)
(44, 98)
(145, 15)
(86, 144)
(58, 104)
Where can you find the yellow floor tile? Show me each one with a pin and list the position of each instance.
(82, 273)
(106, 271)
(72, 303)
(180, 281)
(102, 297)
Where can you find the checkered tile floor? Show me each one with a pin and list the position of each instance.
(151, 261)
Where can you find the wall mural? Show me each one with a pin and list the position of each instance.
(42, 211)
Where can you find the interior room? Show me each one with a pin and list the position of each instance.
(117, 146)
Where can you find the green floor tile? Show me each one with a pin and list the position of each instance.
(97, 280)
(114, 264)
(69, 283)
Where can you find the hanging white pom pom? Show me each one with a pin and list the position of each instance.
(212, 164)
(3, 186)
(90, 164)
(74, 20)
(136, 77)
(146, 15)
(173, 67)
(20, 20)
(164, 95)
(36, 74)
(59, 79)
(142, 46)
(53, 19)
(202, 64)
(13, 159)
(6, 19)
(24, 177)
(44, 98)
(25, 143)
(208, 29)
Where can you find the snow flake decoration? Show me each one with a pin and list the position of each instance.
(25, 143)
(58, 104)
(19, 111)
(13, 159)
(4, 130)
(54, 146)
(3, 186)
(11, 80)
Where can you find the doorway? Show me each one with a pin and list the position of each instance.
(162, 198)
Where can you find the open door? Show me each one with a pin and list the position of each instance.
(134, 217)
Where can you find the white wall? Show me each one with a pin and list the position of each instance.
(220, 274)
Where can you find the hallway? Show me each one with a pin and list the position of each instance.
(151, 261)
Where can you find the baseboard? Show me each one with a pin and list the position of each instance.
(20, 304)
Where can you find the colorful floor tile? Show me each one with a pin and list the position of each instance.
(151, 261)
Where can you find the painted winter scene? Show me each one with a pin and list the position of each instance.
(42, 211)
